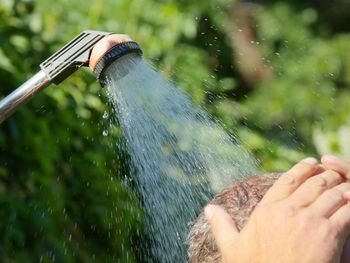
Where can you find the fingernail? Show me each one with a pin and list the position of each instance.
(208, 211)
(330, 157)
(310, 160)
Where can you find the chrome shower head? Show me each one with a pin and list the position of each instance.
(95, 49)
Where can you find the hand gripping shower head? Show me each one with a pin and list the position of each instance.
(96, 49)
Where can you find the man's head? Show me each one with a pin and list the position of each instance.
(239, 201)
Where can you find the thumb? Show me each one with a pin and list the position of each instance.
(223, 229)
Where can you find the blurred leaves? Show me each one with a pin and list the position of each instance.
(5, 62)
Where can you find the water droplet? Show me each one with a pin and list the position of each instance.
(105, 133)
(105, 115)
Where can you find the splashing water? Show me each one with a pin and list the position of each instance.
(181, 155)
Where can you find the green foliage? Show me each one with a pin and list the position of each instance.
(310, 87)
(62, 196)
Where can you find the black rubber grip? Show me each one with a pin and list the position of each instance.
(112, 55)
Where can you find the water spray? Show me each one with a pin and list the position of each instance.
(96, 49)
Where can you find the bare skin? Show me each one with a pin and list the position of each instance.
(304, 217)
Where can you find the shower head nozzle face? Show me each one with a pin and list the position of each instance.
(114, 53)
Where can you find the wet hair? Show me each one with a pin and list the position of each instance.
(239, 201)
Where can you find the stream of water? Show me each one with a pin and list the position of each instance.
(181, 155)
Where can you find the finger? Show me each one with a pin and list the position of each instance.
(331, 200)
(321, 168)
(336, 164)
(341, 219)
(223, 228)
(291, 180)
(315, 186)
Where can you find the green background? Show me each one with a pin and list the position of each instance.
(276, 73)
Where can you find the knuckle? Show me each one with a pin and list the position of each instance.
(333, 174)
(318, 182)
(308, 216)
(335, 192)
(288, 210)
(342, 187)
(305, 219)
(286, 179)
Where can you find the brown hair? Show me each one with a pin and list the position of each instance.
(239, 201)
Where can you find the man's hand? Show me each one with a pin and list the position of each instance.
(304, 217)
(342, 167)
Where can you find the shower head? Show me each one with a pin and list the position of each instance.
(95, 49)
(108, 50)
